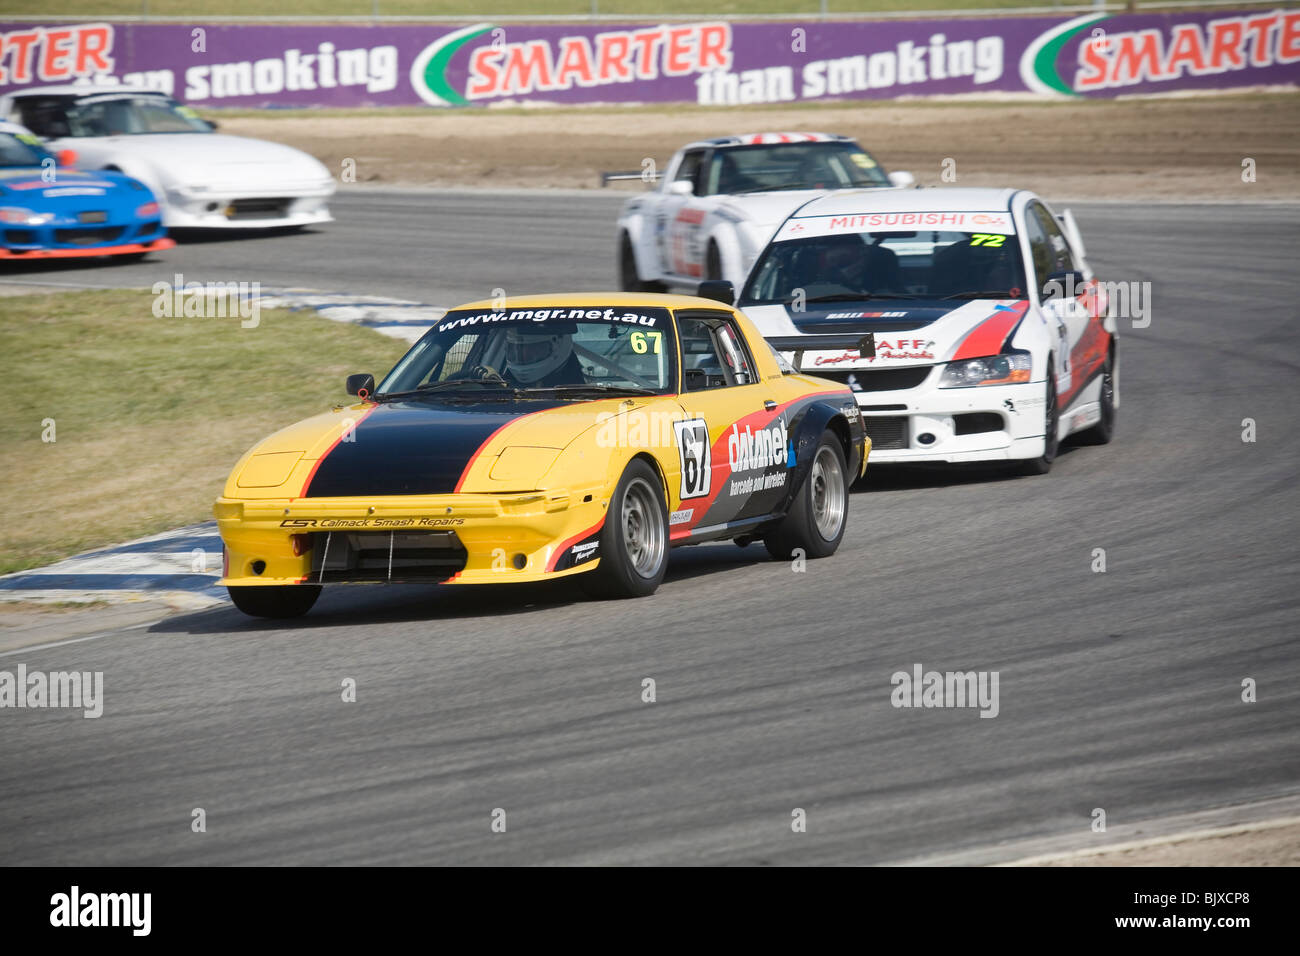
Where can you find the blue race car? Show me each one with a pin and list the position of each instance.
(50, 210)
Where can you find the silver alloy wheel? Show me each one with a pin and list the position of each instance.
(827, 493)
(643, 529)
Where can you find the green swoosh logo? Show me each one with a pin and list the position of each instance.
(1045, 49)
(431, 66)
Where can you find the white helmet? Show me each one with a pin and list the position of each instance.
(533, 354)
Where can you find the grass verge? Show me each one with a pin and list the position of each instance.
(149, 414)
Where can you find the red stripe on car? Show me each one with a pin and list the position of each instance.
(988, 337)
(314, 468)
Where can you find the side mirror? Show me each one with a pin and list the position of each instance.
(720, 290)
(1063, 285)
(65, 157)
(212, 124)
(681, 187)
(902, 179)
(362, 384)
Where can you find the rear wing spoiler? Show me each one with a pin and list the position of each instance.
(864, 344)
(1066, 219)
(644, 176)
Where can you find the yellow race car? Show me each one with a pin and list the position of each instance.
(543, 437)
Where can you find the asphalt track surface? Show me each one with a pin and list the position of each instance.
(1119, 690)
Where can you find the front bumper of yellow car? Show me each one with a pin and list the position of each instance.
(457, 538)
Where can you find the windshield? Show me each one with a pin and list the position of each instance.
(885, 264)
(577, 349)
(837, 165)
(20, 149)
(126, 115)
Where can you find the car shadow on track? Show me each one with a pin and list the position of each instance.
(880, 478)
(197, 237)
(398, 603)
(401, 603)
(36, 269)
(388, 604)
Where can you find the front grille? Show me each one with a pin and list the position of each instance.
(876, 379)
(976, 423)
(20, 237)
(93, 215)
(87, 237)
(240, 209)
(342, 556)
(886, 431)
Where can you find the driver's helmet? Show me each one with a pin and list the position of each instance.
(844, 260)
(533, 354)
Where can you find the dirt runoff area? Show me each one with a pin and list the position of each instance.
(1173, 147)
(1270, 843)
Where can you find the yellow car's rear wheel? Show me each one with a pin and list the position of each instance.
(817, 517)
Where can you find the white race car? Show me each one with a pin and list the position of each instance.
(202, 179)
(720, 201)
(967, 321)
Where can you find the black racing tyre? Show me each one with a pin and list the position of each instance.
(817, 517)
(128, 257)
(629, 280)
(275, 600)
(713, 262)
(1051, 426)
(1102, 432)
(634, 541)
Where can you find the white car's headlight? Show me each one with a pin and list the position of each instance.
(17, 216)
(1009, 369)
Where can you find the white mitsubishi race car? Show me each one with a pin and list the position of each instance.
(720, 200)
(202, 179)
(966, 321)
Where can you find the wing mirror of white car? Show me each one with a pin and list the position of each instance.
(720, 290)
(681, 187)
(902, 179)
(1065, 286)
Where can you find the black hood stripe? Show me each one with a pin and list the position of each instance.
(413, 448)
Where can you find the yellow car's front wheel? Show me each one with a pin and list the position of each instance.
(275, 600)
(634, 540)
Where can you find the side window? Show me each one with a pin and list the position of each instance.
(713, 354)
(1058, 247)
(781, 361)
(1038, 248)
(689, 168)
(43, 118)
(735, 363)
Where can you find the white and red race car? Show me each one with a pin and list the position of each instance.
(720, 200)
(967, 321)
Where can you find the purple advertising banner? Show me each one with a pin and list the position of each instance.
(707, 62)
